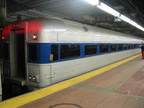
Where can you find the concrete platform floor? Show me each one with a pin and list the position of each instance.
(120, 87)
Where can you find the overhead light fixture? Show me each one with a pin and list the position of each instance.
(113, 12)
(124, 18)
(134, 23)
(108, 9)
(93, 2)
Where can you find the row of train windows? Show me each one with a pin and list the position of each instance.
(74, 50)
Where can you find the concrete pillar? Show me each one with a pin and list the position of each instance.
(2, 24)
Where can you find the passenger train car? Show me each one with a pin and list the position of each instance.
(42, 51)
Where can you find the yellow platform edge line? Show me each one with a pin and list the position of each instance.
(32, 96)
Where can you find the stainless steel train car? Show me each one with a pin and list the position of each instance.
(42, 51)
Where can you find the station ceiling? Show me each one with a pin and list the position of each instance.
(81, 11)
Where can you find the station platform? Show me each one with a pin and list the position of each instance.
(119, 85)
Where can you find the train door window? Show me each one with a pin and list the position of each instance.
(112, 47)
(120, 47)
(103, 48)
(6, 51)
(90, 49)
(129, 46)
(54, 51)
(125, 46)
(69, 51)
(32, 52)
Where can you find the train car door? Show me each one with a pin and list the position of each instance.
(17, 57)
(14, 67)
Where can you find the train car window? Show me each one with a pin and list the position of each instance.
(125, 46)
(54, 51)
(90, 49)
(32, 52)
(112, 47)
(6, 51)
(103, 48)
(120, 47)
(69, 51)
(135, 45)
(132, 46)
(129, 46)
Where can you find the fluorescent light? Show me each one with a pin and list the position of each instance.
(133, 23)
(113, 12)
(136, 25)
(108, 9)
(124, 18)
(93, 2)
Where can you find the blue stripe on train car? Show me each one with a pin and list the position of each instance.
(42, 53)
(44, 50)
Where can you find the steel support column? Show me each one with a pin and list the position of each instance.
(2, 12)
(2, 23)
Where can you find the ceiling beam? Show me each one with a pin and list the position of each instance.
(13, 6)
